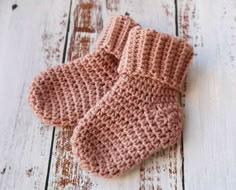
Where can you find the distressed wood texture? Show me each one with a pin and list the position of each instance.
(32, 38)
(35, 35)
(209, 138)
(163, 169)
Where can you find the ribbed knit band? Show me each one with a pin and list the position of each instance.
(156, 55)
(114, 35)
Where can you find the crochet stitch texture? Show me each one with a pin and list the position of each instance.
(62, 95)
(141, 113)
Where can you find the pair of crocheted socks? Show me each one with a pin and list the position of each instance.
(141, 113)
(62, 95)
(124, 96)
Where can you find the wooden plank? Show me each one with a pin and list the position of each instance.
(209, 136)
(162, 170)
(32, 38)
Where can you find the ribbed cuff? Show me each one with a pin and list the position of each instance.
(114, 35)
(156, 55)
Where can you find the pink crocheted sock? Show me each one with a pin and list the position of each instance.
(141, 114)
(64, 93)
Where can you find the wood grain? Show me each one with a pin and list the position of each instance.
(163, 169)
(209, 136)
(32, 38)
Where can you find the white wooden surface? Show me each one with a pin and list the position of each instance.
(32, 38)
(40, 34)
(209, 136)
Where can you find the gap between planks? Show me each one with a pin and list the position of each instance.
(63, 61)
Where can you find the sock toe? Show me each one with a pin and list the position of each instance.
(92, 153)
(43, 99)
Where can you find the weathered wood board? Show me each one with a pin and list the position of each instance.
(209, 136)
(31, 39)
